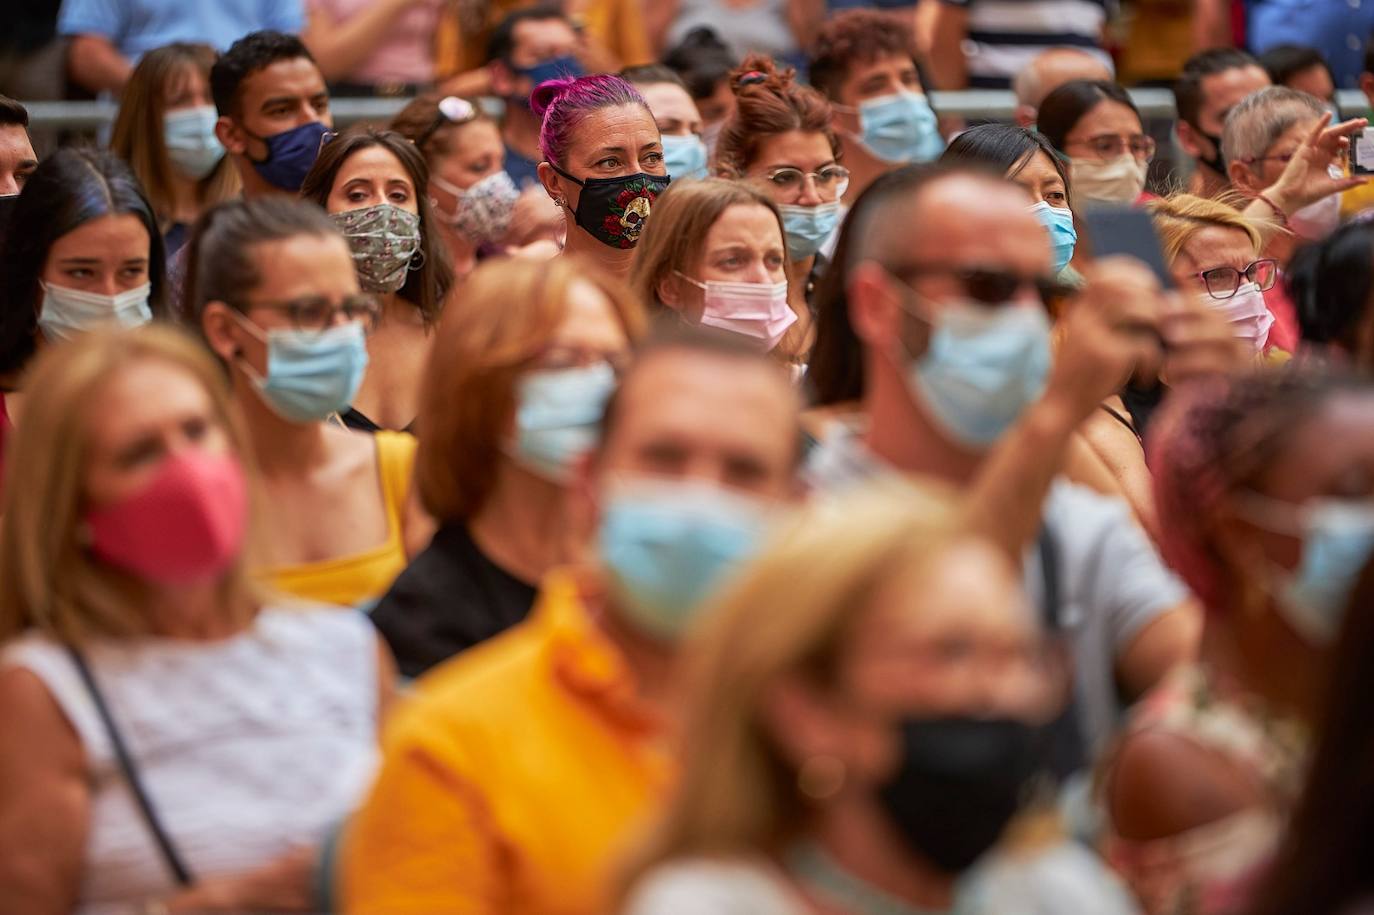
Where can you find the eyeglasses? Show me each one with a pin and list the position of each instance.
(831, 181)
(1285, 158)
(1114, 146)
(1224, 282)
(452, 110)
(991, 286)
(316, 314)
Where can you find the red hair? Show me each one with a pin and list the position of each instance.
(769, 102)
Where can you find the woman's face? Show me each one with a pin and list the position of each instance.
(674, 111)
(369, 177)
(148, 411)
(612, 143)
(1107, 131)
(474, 152)
(590, 332)
(743, 245)
(1042, 180)
(786, 166)
(718, 106)
(187, 89)
(106, 255)
(1208, 249)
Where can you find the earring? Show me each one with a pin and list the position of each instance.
(821, 777)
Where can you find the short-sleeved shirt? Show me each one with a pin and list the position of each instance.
(1338, 29)
(1112, 583)
(450, 598)
(1004, 36)
(523, 171)
(135, 27)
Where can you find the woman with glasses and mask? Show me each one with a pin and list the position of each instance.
(273, 287)
(780, 138)
(715, 255)
(1096, 126)
(603, 164)
(513, 395)
(372, 184)
(1266, 504)
(478, 210)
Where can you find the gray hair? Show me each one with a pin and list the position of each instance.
(1262, 117)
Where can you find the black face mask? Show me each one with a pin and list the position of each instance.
(960, 782)
(1214, 161)
(614, 210)
(7, 211)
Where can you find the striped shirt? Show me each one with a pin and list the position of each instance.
(1004, 36)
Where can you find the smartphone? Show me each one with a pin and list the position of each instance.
(1112, 230)
(1362, 153)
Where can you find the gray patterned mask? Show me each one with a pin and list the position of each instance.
(384, 240)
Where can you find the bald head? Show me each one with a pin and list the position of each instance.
(1047, 72)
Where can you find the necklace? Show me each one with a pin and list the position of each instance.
(813, 867)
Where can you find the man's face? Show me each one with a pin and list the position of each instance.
(1253, 177)
(887, 74)
(17, 159)
(279, 97)
(1223, 91)
(720, 419)
(533, 43)
(1315, 81)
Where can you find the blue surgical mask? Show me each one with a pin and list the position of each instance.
(668, 545)
(68, 312)
(311, 375)
(290, 155)
(557, 416)
(1058, 221)
(807, 228)
(684, 157)
(1337, 540)
(189, 135)
(983, 365)
(900, 128)
(565, 67)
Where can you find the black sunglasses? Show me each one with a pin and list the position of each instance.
(989, 286)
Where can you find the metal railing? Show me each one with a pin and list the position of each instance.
(978, 103)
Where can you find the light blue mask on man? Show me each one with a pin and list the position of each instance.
(807, 228)
(684, 157)
(900, 128)
(1058, 221)
(1337, 541)
(669, 545)
(983, 365)
(557, 417)
(312, 375)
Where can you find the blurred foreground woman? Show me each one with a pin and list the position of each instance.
(863, 724)
(171, 743)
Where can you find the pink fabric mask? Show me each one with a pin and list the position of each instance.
(757, 310)
(186, 526)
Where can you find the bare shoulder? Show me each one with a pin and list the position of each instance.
(34, 723)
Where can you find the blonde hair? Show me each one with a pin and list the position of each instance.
(138, 134)
(1178, 217)
(790, 614)
(506, 314)
(47, 579)
(673, 240)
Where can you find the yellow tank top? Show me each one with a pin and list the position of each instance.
(362, 577)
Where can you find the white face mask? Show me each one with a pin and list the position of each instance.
(1317, 220)
(1250, 318)
(1119, 181)
(67, 312)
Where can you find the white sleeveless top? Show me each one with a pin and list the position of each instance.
(248, 747)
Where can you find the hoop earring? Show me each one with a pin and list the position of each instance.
(821, 777)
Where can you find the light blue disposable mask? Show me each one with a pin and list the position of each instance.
(684, 157)
(983, 365)
(900, 128)
(669, 545)
(311, 375)
(68, 312)
(807, 228)
(557, 416)
(1058, 221)
(189, 135)
(1337, 540)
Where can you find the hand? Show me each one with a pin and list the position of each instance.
(282, 885)
(1199, 342)
(535, 217)
(1306, 178)
(1111, 326)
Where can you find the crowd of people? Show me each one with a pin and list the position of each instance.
(673, 468)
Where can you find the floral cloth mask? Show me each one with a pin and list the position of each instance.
(482, 212)
(384, 240)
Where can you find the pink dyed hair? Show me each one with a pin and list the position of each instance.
(564, 103)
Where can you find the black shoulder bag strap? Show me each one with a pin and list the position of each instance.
(1067, 754)
(126, 765)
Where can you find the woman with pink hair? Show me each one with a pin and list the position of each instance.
(1265, 492)
(603, 164)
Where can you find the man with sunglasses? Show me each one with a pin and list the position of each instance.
(946, 293)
